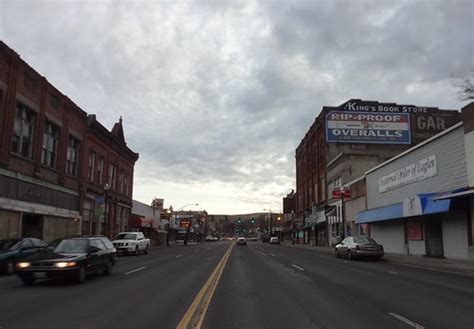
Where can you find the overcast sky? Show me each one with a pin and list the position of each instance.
(216, 95)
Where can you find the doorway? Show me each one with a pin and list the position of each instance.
(433, 237)
(32, 226)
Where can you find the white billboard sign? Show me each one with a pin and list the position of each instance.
(415, 172)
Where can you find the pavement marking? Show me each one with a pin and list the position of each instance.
(195, 314)
(299, 268)
(405, 320)
(273, 255)
(136, 270)
(346, 262)
(392, 272)
(179, 256)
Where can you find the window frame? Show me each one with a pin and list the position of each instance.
(72, 166)
(54, 135)
(22, 112)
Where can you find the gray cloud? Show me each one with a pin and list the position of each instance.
(219, 94)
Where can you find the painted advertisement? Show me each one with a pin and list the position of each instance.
(420, 170)
(373, 128)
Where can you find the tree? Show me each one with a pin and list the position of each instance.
(465, 85)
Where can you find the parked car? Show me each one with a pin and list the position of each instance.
(359, 247)
(274, 240)
(131, 243)
(13, 250)
(72, 258)
(241, 241)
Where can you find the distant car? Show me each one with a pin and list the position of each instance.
(12, 250)
(72, 258)
(274, 240)
(241, 241)
(208, 238)
(253, 238)
(131, 243)
(359, 247)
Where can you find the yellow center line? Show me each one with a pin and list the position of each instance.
(195, 314)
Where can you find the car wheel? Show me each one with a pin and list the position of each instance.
(137, 252)
(109, 268)
(147, 250)
(10, 267)
(349, 255)
(337, 253)
(28, 281)
(81, 275)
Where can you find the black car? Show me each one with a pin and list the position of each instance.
(72, 258)
(12, 250)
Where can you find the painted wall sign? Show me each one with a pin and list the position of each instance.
(374, 128)
(415, 172)
(368, 106)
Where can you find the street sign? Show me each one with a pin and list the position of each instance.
(338, 193)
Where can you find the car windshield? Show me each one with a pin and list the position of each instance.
(72, 246)
(364, 240)
(126, 236)
(9, 244)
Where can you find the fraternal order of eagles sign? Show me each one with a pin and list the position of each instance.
(363, 127)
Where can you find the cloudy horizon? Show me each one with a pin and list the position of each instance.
(216, 95)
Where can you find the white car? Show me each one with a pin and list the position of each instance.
(274, 240)
(241, 241)
(131, 243)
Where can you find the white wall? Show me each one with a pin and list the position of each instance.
(455, 235)
(417, 247)
(469, 148)
(390, 234)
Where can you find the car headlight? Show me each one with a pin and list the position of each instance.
(23, 265)
(65, 264)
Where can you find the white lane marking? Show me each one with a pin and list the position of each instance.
(299, 268)
(272, 255)
(346, 262)
(136, 270)
(179, 256)
(392, 272)
(405, 320)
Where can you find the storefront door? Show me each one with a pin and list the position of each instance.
(434, 237)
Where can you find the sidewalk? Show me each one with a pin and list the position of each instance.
(462, 267)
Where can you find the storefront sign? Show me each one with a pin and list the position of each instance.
(367, 106)
(373, 128)
(415, 172)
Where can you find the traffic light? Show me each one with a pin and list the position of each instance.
(240, 220)
(253, 220)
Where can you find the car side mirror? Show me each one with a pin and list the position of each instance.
(92, 249)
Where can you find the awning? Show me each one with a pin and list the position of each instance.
(428, 203)
(452, 195)
(380, 214)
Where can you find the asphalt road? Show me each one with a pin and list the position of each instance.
(262, 286)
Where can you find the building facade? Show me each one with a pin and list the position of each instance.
(43, 156)
(344, 142)
(416, 201)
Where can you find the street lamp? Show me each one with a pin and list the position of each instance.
(106, 194)
(186, 237)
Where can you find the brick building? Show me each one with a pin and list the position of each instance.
(45, 146)
(345, 141)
